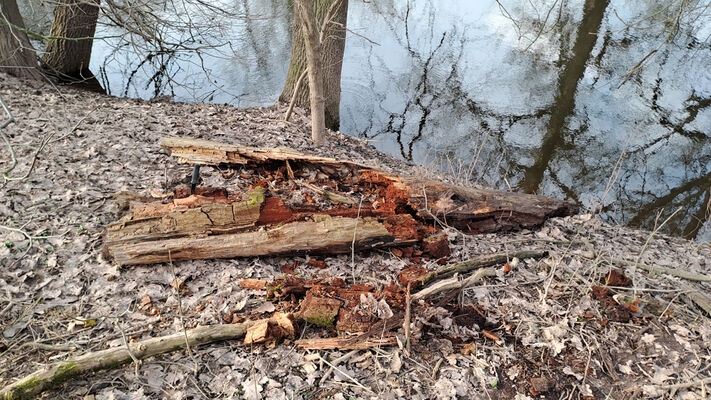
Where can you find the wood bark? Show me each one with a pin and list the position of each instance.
(331, 57)
(54, 374)
(68, 53)
(17, 55)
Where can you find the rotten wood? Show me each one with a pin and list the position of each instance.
(325, 235)
(398, 211)
(205, 152)
(470, 209)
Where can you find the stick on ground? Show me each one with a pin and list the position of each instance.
(54, 374)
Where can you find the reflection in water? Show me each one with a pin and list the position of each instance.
(563, 105)
(605, 102)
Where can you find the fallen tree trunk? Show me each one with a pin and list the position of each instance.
(32, 385)
(393, 211)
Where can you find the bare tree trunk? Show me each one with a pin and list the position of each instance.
(332, 50)
(17, 56)
(68, 59)
(304, 9)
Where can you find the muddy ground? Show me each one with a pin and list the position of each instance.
(566, 326)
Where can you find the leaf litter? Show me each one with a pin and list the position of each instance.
(584, 322)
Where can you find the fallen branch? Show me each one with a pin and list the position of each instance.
(476, 263)
(679, 273)
(344, 343)
(682, 386)
(54, 374)
(452, 284)
(701, 301)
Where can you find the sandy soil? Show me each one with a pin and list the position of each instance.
(561, 329)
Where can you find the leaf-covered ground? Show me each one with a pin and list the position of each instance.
(582, 323)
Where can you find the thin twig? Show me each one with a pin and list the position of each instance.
(408, 305)
(176, 286)
(346, 375)
(136, 361)
(297, 87)
(336, 362)
(355, 230)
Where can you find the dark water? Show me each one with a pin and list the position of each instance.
(603, 102)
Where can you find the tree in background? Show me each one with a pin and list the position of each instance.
(327, 20)
(68, 49)
(17, 55)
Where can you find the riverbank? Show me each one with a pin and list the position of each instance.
(562, 332)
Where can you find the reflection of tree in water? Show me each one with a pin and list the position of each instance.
(666, 160)
(184, 52)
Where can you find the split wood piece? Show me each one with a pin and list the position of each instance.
(476, 263)
(197, 151)
(54, 374)
(256, 284)
(324, 235)
(345, 343)
(271, 330)
(194, 215)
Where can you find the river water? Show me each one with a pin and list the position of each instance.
(603, 102)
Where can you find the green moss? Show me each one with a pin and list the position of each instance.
(66, 368)
(256, 197)
(321, 320)
(26, 390)
(33, 386)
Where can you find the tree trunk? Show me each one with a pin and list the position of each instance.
(331, 51)
(68, 59)
(315, 63)
(17, 56)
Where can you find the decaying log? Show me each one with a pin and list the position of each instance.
(397, 211)
(472, 210)
(476, 210)
(205, 152)
(54, 374)
(155, 221)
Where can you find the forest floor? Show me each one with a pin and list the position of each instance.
(568, 326)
